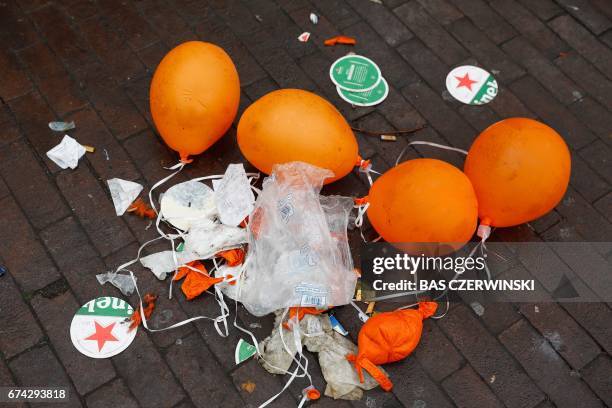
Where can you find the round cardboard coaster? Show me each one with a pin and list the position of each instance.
(355, 73)
(100, 328)
(471, 85)
(366, 98)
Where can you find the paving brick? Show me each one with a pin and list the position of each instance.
(20, 330)
(506, 104)
(92, 132)
(530, 27)
(425, 63)
(39, 367)
(547, 368)
(52, 79)
(585, 180)
(163, 18)
(33, 116)
(588, 15)
(436, 353)
(597, 375)
(94, 210)
(195, 365)
(383, 21)
(22, 252)
(4, 191)
(596, 318)
(113, 394)
(538, 66)
(544, 9)
(337, 11)
(564, 334)
(479, 116)
(237, 16)
(6, 379)
(552, 112)
(124, 16)
(467, 389)
(594, 116)
(400, 113)
(445, 120)
(442, 10)
(112, 49)
(604, 205)
(598, 155)
(29, 184)
(586, 220)
(147, 375)
(152, 55)
(79, 9)
(486, 19)
(16, 31)
(76, 258)
(86, 373)
(431, 33)
(260, 88)
(490, 360)
(584, 42)
(493, 58)
(13, 82)
(266, 385)
(387, 151)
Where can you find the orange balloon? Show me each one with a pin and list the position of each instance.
(423, 200)
(520, 169)
(295, 125)
(194, 96)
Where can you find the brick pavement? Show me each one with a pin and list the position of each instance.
(91, 61)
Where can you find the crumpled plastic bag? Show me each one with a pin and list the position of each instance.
(298, 251)
(318, 336)
(185, 204)
(233, 195)
(123, 193)
(162, 263)
(207, 238)
(67, 153)
(124, 283)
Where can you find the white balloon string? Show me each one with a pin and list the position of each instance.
(419, 142)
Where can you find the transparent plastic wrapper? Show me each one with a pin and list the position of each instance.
(298, 248)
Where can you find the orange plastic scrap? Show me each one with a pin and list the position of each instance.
(197, 283)
(149, 305)
(340, 39)
(184, 270)
(142, 209)
(389, 337)
(300, 312)
(233, 257)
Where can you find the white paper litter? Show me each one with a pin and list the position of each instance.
(186, 203)
(314, 19)
(122, 282)
(304, 36)
(234, 198)
(61, 126)
(162, 263)
(208, 238)
(225, 271)
(67, 153)
(123, 193)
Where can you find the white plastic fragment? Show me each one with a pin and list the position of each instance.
(122, 282)
(314, 19)
(305, 36)
(123, 193)
(67, 153)
(206, 239)
(61, 126)
(162, 263)
(186, 203)
(377, 1)
(233, 196)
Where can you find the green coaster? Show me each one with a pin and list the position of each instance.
(355, 73)
(244, 351)
(367, 98)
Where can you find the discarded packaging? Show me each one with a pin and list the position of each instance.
(67, 153)
(244, 351)
(122, 282)
(206, 239)
(234, 198)
(314, 19)
(162, 263)
(185, 203)
(340, 39)
(61, 126)
(337, 326)
(123, 193)
(305, 36)
(2, 270)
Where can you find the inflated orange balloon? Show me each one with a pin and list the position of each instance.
(295, 125)
(194, 96)
(520, 169)
(423, 200)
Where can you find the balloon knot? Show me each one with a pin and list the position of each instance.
(361, 201)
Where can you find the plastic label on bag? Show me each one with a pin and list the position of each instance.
(233, 196)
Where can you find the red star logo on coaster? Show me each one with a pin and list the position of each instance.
(465, 81)
(102, 335)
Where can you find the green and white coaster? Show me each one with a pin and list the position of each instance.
(100, 328)
(471, 85)
(367, 98)
(244, 351)
(355, 73)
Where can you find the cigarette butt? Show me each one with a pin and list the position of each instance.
(358, 295)
(370, 308)
(388, 138)
(89, 149)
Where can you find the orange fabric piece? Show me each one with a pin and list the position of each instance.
(233, 257)
(142, 209)
(197, 283)
(149, 305)
(389, 337)
(340, 39)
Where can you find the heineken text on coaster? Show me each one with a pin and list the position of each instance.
(355, 73)
(366, 98)
(100, 328)
(471, 85)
